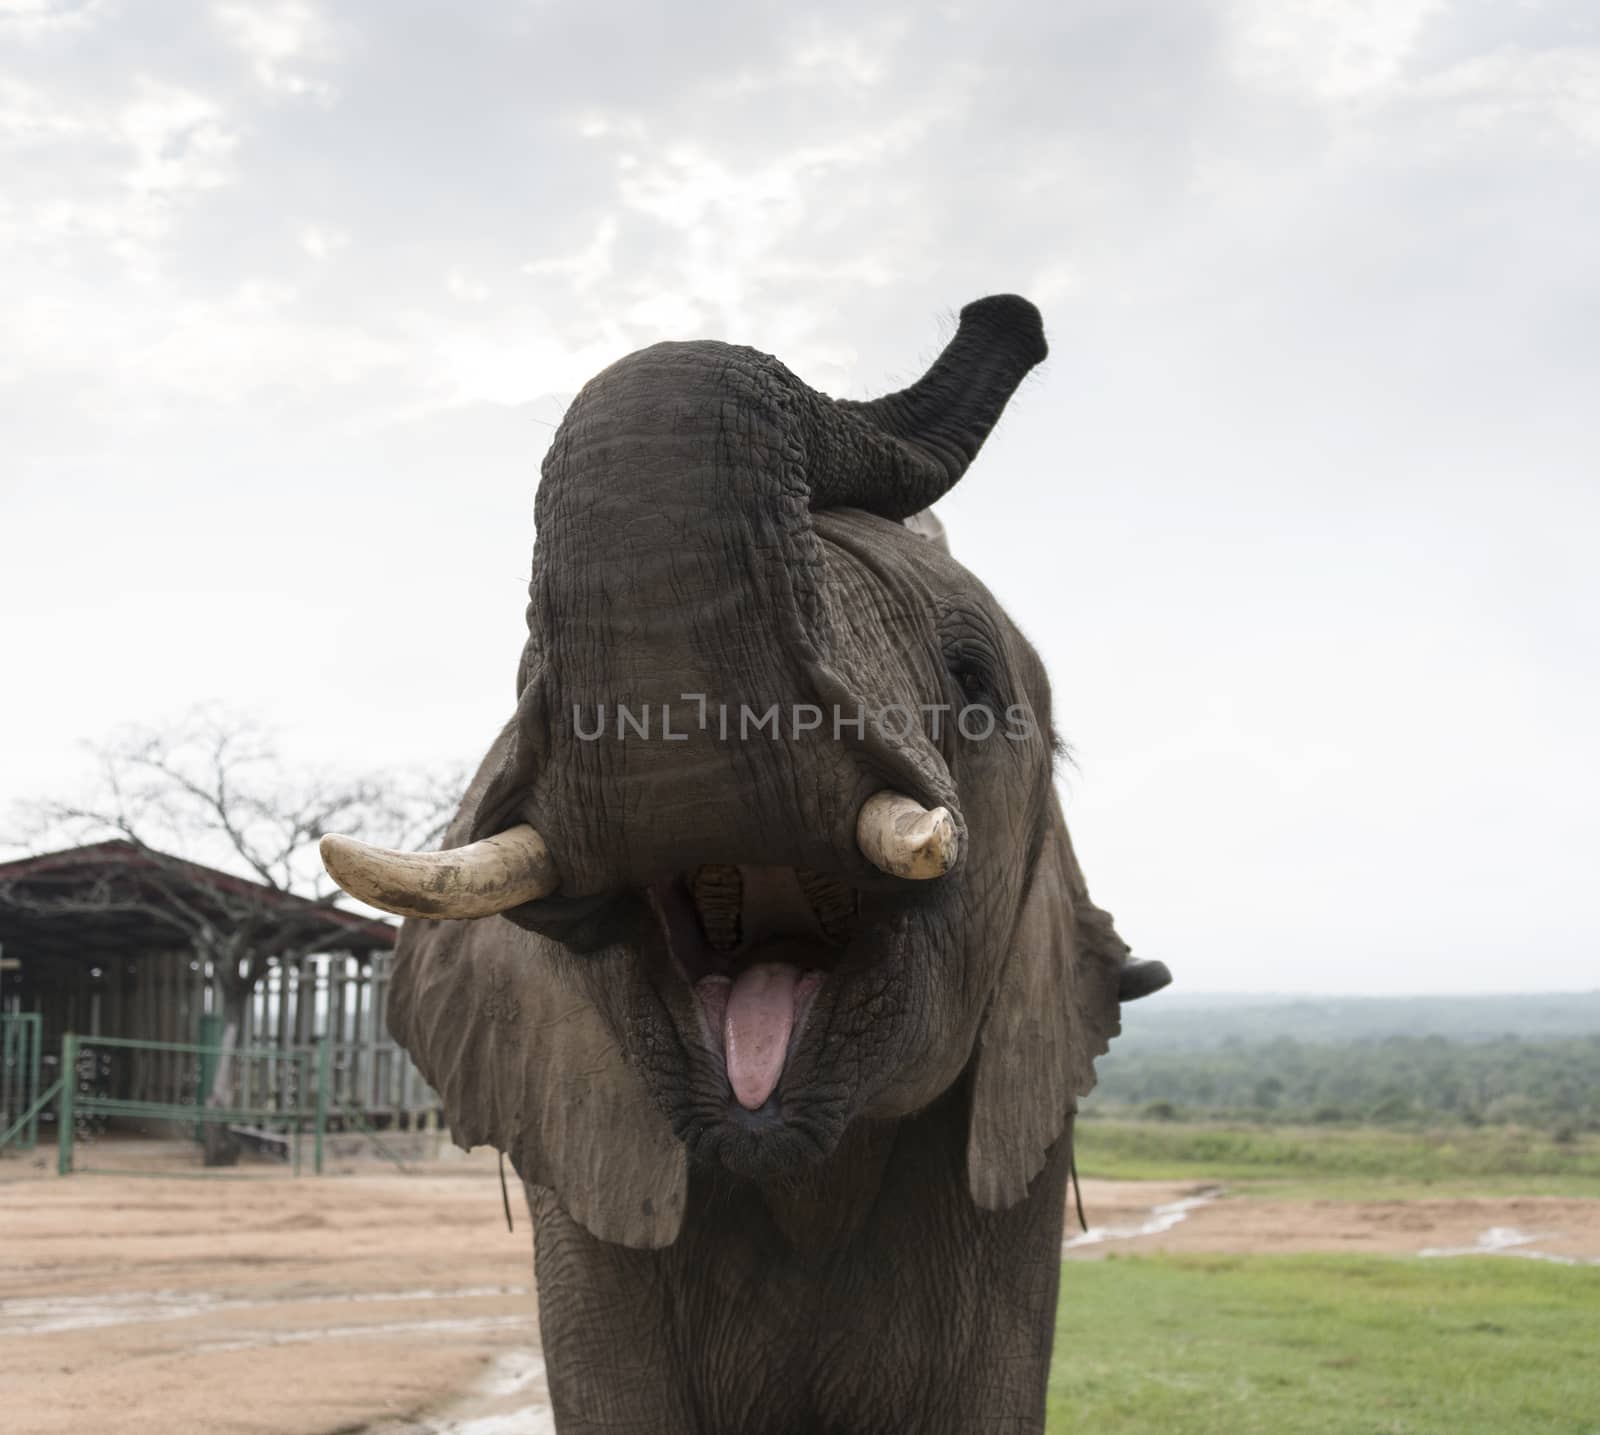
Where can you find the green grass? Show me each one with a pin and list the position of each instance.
(1341, 1161)
(1313, 1345)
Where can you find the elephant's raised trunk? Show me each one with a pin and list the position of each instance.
(911, 447)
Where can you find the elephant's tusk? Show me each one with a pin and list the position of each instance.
(478, 880)
(898, 835)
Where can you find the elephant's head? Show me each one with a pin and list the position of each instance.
(771, 844)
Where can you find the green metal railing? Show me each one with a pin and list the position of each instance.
(30, 1117)
(304, 1105)
(303, 1093)
(20, 1055)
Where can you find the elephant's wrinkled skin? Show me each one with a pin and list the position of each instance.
(875, 1246)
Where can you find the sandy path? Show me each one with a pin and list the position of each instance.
(399, 1305)
(256, 1305)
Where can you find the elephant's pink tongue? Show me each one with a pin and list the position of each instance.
(756, 1027)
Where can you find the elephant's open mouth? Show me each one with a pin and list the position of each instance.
(755, 944)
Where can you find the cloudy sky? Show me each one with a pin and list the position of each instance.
(1301, 511)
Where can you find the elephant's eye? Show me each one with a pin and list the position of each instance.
(973, 670)
(970, 647)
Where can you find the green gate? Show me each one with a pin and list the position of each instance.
(20, 1103)
(295, 1100)
(293, 1096)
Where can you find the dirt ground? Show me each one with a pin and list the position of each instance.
(388, 1304)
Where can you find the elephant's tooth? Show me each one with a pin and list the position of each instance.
(718, 891)
(833, 901)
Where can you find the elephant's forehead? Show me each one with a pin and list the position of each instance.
(890, 566)
(889, 587)
(883, 592)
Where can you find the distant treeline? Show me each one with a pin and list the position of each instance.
(1176, 1018)
(1553, 1083)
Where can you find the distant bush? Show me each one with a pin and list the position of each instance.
(1515, 1109)
(1237, 1150)
(1544, 1084)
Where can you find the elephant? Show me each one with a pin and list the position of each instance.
(779, 1005)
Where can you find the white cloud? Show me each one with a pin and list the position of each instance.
(1556, 92)
(29, 117)
(33, 19)
(118, 174)
(511, 363)
(585, 268)
(178, 140)
(864, 58)
(743, 227)
(285, 42)
(169, 138)
(155, 351)
(1332, 48)
(461, 285)
(258, 338)
(322, 242)
(1056, 283)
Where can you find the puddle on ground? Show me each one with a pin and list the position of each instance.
(1509, 1241)
(456, 1326)
(511, 1399)
(1161, 1218)
(62, 1313)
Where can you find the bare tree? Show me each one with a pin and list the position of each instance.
(211, 795)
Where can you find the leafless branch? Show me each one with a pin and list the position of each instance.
(214, 790)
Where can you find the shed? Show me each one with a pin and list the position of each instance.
(88, 951)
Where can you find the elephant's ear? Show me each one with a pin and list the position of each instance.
(523, 1062)
(1054, 1011)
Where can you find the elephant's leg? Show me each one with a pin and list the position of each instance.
(600, 1318)
(942, 1319)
